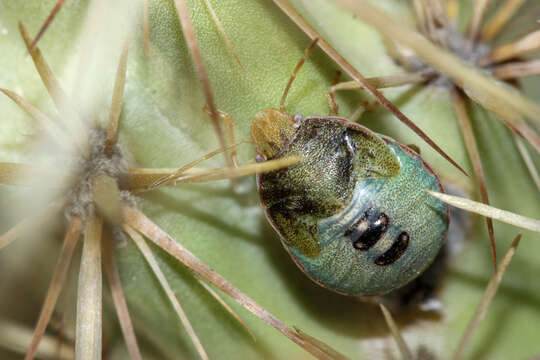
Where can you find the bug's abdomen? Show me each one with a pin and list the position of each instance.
(386, 236)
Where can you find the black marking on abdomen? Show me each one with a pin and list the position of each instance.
(396, 250)
(369, 229)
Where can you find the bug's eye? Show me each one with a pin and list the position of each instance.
(396, 250)
(368, 230)
(297, 120)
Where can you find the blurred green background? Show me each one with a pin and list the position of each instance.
(163, 125)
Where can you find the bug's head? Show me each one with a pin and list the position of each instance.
(271, 130)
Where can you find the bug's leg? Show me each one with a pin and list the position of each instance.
(228, 121)
(362, 108)
(384, 82)
(331, 96)
(295, 71)
(154, 178)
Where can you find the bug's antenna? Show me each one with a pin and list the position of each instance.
(295, 71)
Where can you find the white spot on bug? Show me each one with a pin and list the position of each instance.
(298, 120)
(432, 304)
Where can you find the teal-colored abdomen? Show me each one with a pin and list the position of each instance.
(354, 214)
(414, 226)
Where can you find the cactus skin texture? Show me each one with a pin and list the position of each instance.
(163, 125)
